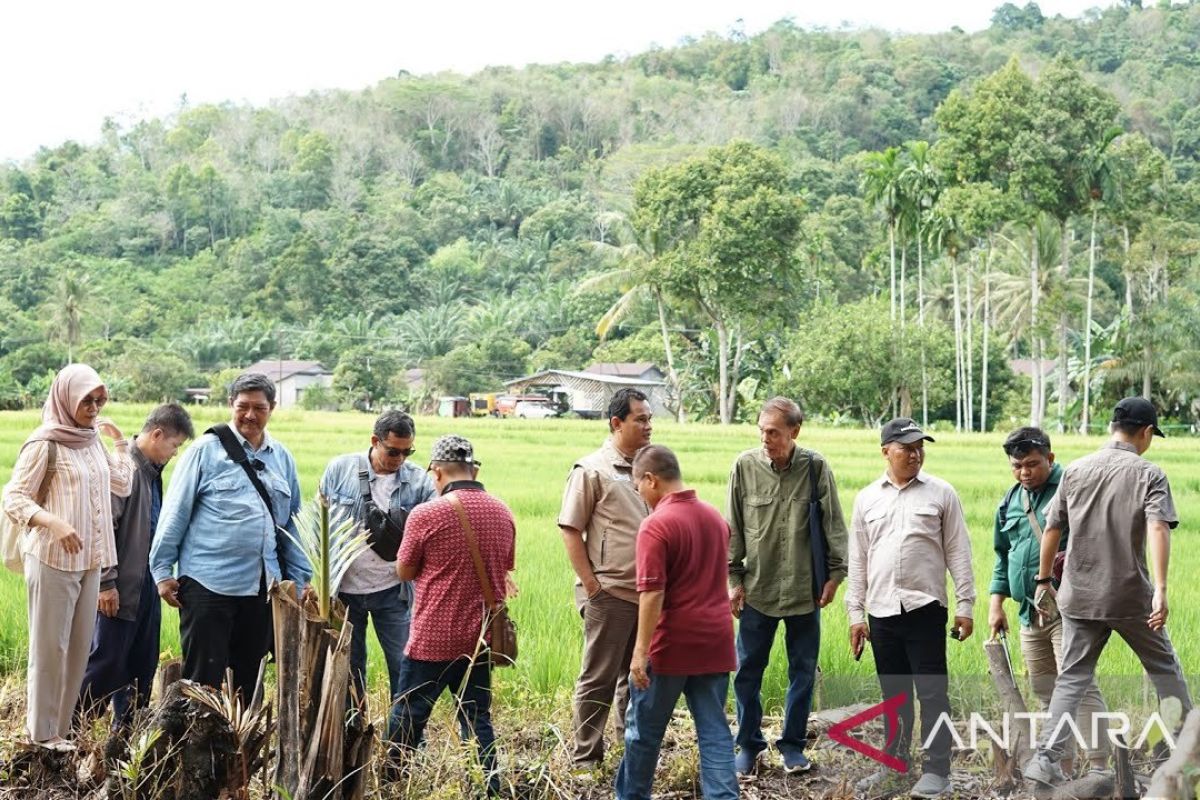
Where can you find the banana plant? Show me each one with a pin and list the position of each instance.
(329, 551)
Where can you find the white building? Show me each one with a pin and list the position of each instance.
(292, 378)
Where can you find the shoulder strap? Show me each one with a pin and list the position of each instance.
(364, 483)
(489, 596)
(237, 454)
(812, 477)
(1032, 514)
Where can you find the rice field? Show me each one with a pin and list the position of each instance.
(527, 461)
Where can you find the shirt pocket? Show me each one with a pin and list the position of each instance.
(925, 520)
(281, 498)
(757, 512)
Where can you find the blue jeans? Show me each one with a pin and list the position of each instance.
(756, 634)
(391, 609)
(422, 683)
(646, 722)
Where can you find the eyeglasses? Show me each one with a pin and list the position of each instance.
(94, 402)
(396, 452)
(1021, 445)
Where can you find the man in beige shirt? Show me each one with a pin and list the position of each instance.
(907, 530)
(601, 512)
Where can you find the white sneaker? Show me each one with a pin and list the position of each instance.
(931, 785)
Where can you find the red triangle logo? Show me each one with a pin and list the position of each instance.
(840, 732)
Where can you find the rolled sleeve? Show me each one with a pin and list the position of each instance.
(1160, 506)
(120, 471)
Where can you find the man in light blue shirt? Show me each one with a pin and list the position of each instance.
(370, 585)
(216, 528)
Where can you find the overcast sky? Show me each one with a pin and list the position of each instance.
(66, 65)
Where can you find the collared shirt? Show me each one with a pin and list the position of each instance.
(681, 551)
(1106, 499)
(447, 616)
(405, 488)
(1018, 546)
(79, 493)
(903, 539)
(601, 501)
(770, 552)
(214, 524)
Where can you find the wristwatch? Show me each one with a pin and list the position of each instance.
(1046, 579)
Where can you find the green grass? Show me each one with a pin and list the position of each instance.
(526, 464)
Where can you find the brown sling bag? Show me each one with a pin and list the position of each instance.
(502, 630)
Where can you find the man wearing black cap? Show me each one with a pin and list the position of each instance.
(906, 532)
(1114, 502)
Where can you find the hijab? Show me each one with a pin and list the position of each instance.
(72, 383)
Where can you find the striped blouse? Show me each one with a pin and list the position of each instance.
(79, 492)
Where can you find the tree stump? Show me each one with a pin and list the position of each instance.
(1171, 779)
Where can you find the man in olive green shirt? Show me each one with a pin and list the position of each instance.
(1018, 547)
(771, 575)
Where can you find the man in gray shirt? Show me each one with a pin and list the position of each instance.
(1114, 502)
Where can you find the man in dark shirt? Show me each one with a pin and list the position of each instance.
(1115, 503)
(124, 654)
(684, 634)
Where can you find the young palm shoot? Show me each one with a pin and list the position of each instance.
(329, 551)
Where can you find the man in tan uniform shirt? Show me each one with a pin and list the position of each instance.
(601, 512)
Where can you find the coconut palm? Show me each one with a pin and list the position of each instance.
(881, 186)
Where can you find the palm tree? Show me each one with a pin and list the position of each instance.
(636, 280)
(881, 185)
(920, 184)
(1099, 184)
(71, 301)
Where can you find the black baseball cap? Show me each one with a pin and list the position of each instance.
(1137, 411)
(904, 430)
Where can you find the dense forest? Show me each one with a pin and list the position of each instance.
(869, 222)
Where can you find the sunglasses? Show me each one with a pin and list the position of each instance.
(396, 452)
(1021, 445)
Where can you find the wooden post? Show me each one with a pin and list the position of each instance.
(1171, 779)
(287, 660)
(1012, 702)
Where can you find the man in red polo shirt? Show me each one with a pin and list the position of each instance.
(685, 631)
(444, 648)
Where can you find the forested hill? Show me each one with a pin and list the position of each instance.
(480, 227)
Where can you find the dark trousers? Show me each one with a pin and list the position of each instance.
(124, 658)
(390, 609)
(219, 631)
(756, 635)
(910, 650)
(422, 683)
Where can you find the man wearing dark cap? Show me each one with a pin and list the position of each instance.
(1115, 503)
(1017, 538)
(907, 531)
(444, 649)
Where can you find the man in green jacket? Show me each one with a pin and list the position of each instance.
(1017, 534)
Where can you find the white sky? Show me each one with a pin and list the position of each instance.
(67, 64)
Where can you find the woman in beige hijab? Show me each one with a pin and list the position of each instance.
(68, 541)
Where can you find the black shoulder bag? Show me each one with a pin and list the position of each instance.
(385, 528)
(816, 533)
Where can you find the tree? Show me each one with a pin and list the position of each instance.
(363, 375)
(72, 298)
(881, 186)
(726, 225)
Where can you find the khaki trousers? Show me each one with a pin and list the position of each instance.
(1042, 648)
(62, 616)
(609, 635)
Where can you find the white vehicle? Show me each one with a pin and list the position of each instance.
(535, 409)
